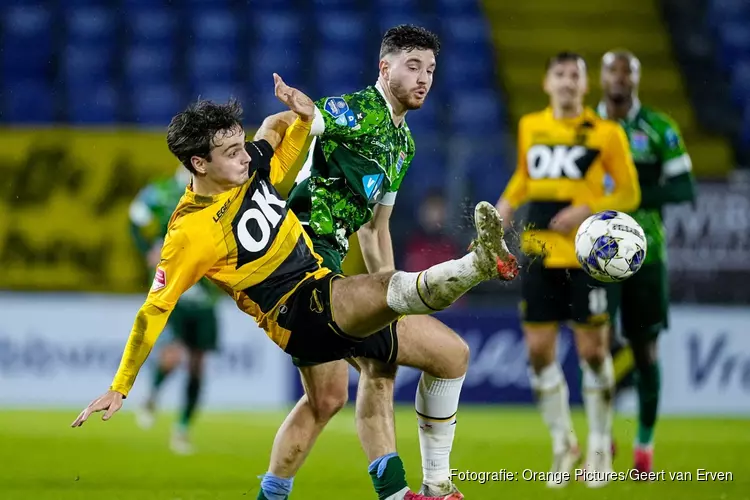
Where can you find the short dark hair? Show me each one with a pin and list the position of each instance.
(408, 37)
(192, 131)
(565, 56)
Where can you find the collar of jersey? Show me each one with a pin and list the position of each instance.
(601, 109)
(198, 199)
(390, 108)
(587, 113)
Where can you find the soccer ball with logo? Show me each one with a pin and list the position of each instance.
(610, 246)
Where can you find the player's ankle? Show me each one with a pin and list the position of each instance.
(275, 488)
(388, 475)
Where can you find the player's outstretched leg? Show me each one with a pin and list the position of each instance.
(365, 304)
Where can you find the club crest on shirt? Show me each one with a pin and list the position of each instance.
(160, 280)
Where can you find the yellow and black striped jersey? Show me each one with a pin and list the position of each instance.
(563, 162)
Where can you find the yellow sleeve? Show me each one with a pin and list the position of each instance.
(516, 191)
(618, 162)
(181, 266)
(289, 150)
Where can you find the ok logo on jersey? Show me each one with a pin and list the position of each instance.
(556, 162)
(257, 222)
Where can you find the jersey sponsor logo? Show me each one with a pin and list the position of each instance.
(160, 280)
(400, 162)
(257, 222)
(555, 162)
(222, 210)
(372, 184)
(639, 141)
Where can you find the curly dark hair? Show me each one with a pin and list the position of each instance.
(565, 56)
(408, 37)
(192, 131)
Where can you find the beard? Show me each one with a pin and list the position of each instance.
(618, 98)
(404, 96)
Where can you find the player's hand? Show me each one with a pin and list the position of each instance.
(110, 401)
(569, 218)
(296, 100)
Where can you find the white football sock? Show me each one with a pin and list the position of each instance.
(434, 289)
(597, 398)
(436, 403)
(554, 403)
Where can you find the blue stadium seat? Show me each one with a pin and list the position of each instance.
(446, 8)
(425, 121)
(404, 6)
(336, 28)
(218, 91)
(341, 71)
(745, 128)
(93, 104)
(155, 104)
(259, 105)
(734, 41)
(211, 25)
(276, 26)
(26, 102)
(87, 64)
(139, 4)
(91, 25)
(27, 43)
(211, 63)
(148, 25)
(271, 4)
(722, 11)
(468, 69)
(327, 4)
(477, 112)
(149, 64)
(391, 19)
(466, 30)
(264, 63)
(740, 82)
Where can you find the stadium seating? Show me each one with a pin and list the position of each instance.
(729, 22)
(97, 62)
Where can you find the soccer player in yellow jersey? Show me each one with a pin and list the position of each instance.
(232, 227)
(564, 153)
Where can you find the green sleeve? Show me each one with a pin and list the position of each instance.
(346, 117)
(677, 183)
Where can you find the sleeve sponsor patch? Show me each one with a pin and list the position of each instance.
(336, 106)
(160, 280)
(670, 136)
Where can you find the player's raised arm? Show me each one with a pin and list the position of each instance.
(516, 190)
(618, 162)
(678, 183)
(183, 263)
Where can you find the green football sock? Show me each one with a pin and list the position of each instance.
(159, 377)
(193, 391)
(648, 380)
(388, 475)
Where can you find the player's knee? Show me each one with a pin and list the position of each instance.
(195, 365)
(541, 347)
(455, 363)
(328, 404)
(644, 353)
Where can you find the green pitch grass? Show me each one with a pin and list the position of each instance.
(42, 458)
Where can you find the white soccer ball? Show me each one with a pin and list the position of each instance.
(610, 246)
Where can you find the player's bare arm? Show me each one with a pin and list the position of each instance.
(375, 241)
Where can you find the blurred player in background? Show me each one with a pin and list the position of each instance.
(360, 155)
(665, 176)
(193, 323)
(564, 153)
(232, 227)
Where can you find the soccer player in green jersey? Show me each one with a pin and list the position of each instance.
(193, 325)
(665, 175)
(360, 154)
